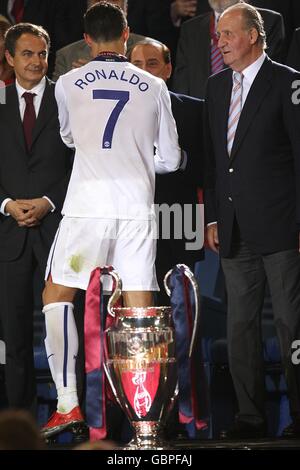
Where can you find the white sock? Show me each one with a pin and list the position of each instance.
(50, 358)
(62, 347)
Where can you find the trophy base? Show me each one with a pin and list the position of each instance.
(148, 437)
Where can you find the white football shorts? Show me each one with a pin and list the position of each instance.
(82, 244)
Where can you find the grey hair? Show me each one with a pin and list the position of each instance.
(252, 20)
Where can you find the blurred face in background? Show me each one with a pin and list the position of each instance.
(150, 57)
(1, 48)
(3, 28)
(220, 5)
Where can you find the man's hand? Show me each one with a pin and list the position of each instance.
(182, 8)
(39, 208)
(18, 210)
(212, 237)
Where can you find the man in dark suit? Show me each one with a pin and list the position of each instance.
(179, 188)
(34, 169)
(252, 207)
(196, 42)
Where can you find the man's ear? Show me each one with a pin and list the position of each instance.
(9, 58)
(253, 35)
(169, 69)
(88, 39)
(126, 33)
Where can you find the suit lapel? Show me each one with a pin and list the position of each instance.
(13, 117)
(258, 91)
(223, 101)
(47, 109)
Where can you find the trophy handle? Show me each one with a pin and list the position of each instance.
(186, 270)
(116, 294)
(110, 381)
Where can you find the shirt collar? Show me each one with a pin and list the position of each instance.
(38, 89)
(250, 72)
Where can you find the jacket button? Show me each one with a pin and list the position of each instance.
(230, 199)
(231, 170)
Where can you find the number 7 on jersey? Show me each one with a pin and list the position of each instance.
(121, 97)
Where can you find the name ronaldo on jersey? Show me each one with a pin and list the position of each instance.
(123, 76)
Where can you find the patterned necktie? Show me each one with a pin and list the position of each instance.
(17, 10)
(235, 108)
(29, 118)
(216, 57)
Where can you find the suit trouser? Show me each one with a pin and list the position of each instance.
(245, 275)
(16, 310)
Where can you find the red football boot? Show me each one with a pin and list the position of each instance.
(59, 422)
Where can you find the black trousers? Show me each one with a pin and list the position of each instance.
(16, 310)
(245, 276)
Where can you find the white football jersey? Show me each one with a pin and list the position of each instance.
(114, 114)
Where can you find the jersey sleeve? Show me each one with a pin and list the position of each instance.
(167, 156)
(63, 114)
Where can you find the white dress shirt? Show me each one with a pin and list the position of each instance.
(249, 74)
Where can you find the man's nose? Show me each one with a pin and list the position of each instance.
(220, 42)
(36, 59)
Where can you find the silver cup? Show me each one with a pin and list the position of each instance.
(141, 368)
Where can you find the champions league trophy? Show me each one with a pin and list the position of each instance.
(141, 365)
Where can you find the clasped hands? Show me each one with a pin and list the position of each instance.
(28, 212)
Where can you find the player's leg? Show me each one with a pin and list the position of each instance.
(61, 333)
(134, 257)
(62, 347)
(61, 342)
(138, 298)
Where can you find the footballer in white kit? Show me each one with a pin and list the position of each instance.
(114, 115)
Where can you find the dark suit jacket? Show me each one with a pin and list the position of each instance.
(152, 18)
(181, 186)
(42, 172)
(193, 63)
(289, 9)
(261, 190)
(293, 58)
(70, 15)
(40, 12)
(44, 13)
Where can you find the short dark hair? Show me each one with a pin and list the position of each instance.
(104, 22)
(166, 54)
(15, 32)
